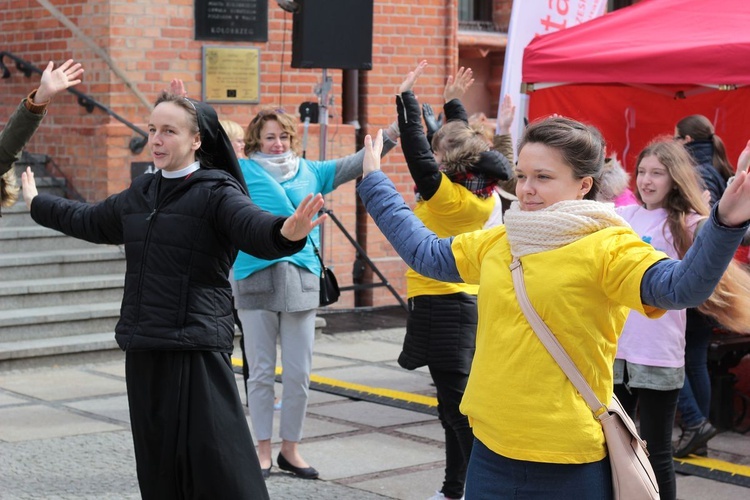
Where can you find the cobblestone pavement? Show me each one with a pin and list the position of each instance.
(65, 432)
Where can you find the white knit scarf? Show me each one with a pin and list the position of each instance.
(557, 225)
(281, 167)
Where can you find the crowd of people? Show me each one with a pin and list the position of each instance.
(632, 282)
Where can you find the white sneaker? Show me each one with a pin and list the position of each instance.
(439, 496)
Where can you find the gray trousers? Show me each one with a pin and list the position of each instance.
(296, 333)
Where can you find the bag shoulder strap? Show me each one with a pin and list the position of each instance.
(550, 342)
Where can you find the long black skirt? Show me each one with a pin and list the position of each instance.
(189, 429)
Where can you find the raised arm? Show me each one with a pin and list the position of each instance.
(27, 117)
(419, 247)
(349, 167)
(423, 167)
(677, 284)
(454, 91)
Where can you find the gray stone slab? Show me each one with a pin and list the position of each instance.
(696, 488)
(284, 486)
(730, 442)
(312, 428)
(406, 486)
(365, 413)
(320, 397)
(34, 422)
(322, 361)
(7, 400)
(432, 430)
(382, 377)
(116, 368)
(367, 350)
(115, 407)
(348, 456)
(58, 384)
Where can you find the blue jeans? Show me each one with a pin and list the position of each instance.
(694, 402)
(494, 477)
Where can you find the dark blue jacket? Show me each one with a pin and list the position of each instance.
(703, 155)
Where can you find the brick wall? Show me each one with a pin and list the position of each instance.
(151, 42)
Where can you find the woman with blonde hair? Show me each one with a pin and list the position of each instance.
(236, 136)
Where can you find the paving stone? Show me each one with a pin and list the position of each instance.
(34, 422)
(115, 408)
(367, 454)
(368, 350)
(58, 384)
(405, 486)
(372, 414)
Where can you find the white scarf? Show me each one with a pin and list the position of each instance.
(281, 167)
(557, 225)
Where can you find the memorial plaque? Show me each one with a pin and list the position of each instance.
(231, 20)
(231, 75)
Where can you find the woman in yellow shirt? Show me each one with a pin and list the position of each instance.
(585, 268)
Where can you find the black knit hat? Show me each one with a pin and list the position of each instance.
(216, 149)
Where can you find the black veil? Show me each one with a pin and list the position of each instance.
(216, 149)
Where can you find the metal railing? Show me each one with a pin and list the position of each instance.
(136, 144)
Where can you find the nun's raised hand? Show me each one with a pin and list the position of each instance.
(373, 148)
(298, 225)
(28, 186)
(734, 205)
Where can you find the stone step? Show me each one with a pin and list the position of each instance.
(100, 259)
(74, 290)
(58, 350)
(58, 321)
(22, 238)
(17, 215)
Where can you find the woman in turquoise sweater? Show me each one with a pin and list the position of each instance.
(277, 299)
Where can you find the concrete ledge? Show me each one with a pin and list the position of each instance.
(61, 284)
(57, 351)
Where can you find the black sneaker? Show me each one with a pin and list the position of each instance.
(694, 438)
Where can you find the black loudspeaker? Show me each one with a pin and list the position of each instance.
(332, 34)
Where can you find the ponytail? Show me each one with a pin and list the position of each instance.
(720, 160)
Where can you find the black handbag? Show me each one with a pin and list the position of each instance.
(329, 285)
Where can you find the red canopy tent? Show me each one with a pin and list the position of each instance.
(635, 72)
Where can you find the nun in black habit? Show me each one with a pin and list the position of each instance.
(181, 228)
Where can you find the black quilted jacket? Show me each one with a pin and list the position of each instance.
(179, 252)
